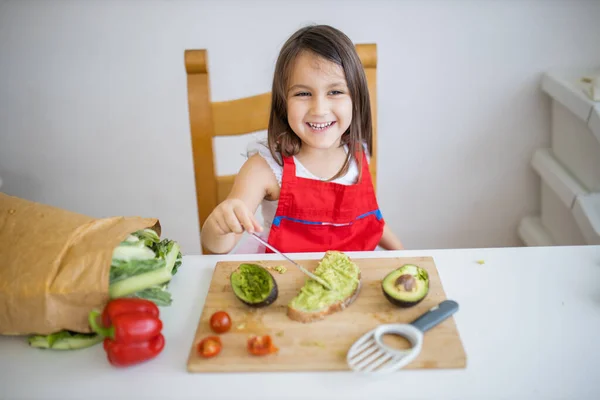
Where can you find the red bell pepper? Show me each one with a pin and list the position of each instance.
(122, 355)
(127, 305)
(128, 328)
(131, 329)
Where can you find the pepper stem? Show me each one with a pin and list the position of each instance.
(100, 330)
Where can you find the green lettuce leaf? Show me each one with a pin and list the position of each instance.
(65, 340)
(157, 294)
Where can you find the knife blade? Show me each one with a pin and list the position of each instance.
(304, 270)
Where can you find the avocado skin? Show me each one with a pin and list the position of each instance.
(401, 303)
(270, 298)
(396, 298)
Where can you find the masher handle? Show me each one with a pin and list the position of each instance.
(435, 315)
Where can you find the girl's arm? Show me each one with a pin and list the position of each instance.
(224, 226)
(389, 241)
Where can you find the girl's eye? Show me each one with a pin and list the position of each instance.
(334, 92)
(302, 94)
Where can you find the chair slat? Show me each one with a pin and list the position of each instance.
(242, 116)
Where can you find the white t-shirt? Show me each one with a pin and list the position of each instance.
(269, 207)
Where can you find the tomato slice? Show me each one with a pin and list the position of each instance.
(261, 345)
(209, 346)
(220, 322)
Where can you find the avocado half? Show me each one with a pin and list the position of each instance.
(254, 285)
(406, 286)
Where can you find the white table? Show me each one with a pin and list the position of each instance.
(529, 319)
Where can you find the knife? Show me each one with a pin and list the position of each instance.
(304, 270)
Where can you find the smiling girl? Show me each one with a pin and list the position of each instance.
(312, 177)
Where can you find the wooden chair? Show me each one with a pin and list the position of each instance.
(210, 119)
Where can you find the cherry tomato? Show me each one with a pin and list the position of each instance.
(220, 322)
(209, 346)
(261, 345)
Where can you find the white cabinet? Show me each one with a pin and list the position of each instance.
(575, 125)
(570, 169)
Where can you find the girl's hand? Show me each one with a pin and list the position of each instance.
(223, 227)
(233, 216)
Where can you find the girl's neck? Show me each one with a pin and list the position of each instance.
(323, 163)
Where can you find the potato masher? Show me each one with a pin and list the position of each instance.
(369, 353)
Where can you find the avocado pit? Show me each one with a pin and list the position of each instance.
(406, 283)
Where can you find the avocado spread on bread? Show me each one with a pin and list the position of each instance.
(339, 272)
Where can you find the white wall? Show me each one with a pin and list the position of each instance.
(93, 106)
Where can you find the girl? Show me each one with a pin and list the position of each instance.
(312, 177)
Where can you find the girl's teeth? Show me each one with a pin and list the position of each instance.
(320, 126)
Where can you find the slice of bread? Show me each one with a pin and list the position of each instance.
(314, 302)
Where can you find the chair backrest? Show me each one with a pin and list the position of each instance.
(210, 119)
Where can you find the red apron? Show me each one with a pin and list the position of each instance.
(316, 216)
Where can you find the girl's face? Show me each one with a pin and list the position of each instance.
(319, 106)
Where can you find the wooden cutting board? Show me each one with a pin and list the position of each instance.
(321, 345)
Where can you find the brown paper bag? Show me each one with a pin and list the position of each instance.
(55, 265)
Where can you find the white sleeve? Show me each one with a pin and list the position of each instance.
(262, 149)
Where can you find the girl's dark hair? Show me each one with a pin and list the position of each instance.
(332, 45)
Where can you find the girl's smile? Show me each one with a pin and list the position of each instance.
(320, 126)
